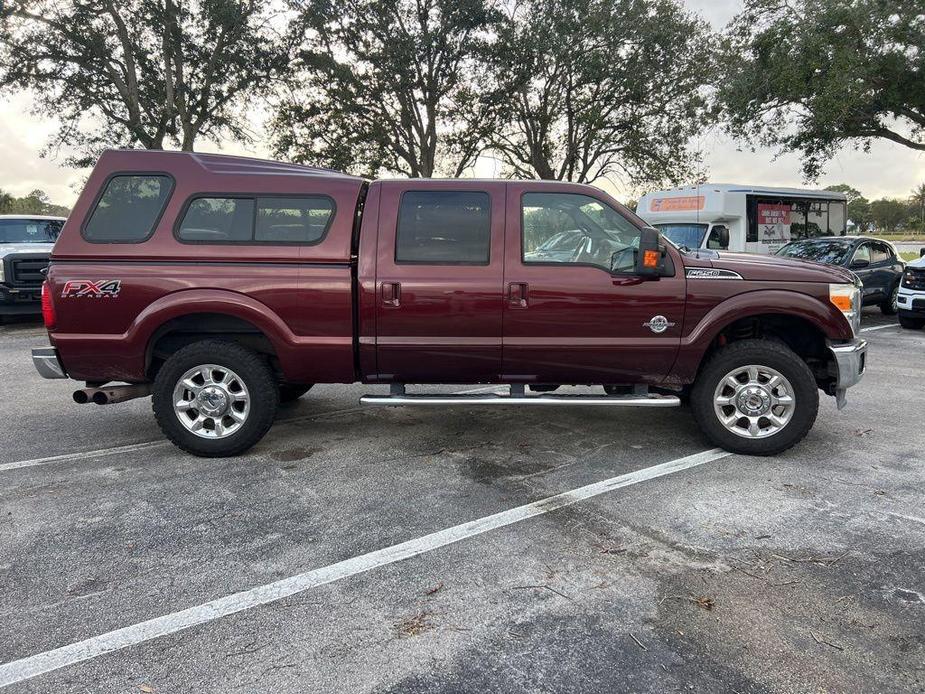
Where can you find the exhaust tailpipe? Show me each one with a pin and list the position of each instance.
(110, 395)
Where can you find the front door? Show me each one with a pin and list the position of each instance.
(574, 311)
(438, 280)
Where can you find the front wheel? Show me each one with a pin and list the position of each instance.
(215, 398)
(755, 397)
(911, 322)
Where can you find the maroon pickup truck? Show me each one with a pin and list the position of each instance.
(224, 285)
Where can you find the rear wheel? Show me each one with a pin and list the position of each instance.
(215, 398)
(755, 397)
(911, 322)
(290, 392)
(891, 304)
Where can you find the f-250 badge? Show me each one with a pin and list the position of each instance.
(658, 324)
(93, 289)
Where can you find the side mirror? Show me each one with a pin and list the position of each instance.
(858, 264)
(922, 253)
(649, 259)
(724, 237)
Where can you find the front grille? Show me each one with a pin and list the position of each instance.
(27, 271)
(914, 278)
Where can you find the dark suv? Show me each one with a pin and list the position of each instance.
(875, 262)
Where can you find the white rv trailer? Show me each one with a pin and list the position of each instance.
(754, 219)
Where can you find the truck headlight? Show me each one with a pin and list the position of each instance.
(847, 298)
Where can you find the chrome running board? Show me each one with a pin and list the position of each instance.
(400, 398)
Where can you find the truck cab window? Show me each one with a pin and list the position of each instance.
(577, 229)
(444, 227)
(128, 209)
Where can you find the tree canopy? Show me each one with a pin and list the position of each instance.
(36, 202)
(812, 76)
(141, 72)
(392, 85)
(601, 87)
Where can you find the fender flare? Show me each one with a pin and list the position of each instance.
(828, 319)
(189, 301)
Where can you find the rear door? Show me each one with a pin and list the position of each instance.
(584, 317)
(439, 270)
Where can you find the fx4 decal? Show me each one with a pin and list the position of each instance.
(93, 289)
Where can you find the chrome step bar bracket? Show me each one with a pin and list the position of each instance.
(641, 400)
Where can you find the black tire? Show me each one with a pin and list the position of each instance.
(888, 306)
(911, 322)
(255, 373)
(765, 353)
(290, 392)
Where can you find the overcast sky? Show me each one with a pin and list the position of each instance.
(887, 170)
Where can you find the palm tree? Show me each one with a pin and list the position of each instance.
(918, 198)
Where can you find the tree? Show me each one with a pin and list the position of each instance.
(36, 202)
(6, 201)
(918, 200)
(889, 214)
(811, 76)
(858, 205)
(601, 87)
(859, 213)
(850, 193)
(394, 85)
(141, 72)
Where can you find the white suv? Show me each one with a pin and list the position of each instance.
(911, 299)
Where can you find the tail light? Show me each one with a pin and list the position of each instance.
(48, 307)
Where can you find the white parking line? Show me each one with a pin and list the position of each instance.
(80, 455)
(879, 327)
(33, 666)
(129, 448)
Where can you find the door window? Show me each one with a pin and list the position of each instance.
(862, 253)
(715, 239)
(879, 253)
(444, 228)
(576, 229)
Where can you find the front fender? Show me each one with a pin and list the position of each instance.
(823, 315)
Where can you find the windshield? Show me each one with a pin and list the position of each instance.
(29, 230)
(831, 252)
(683, 235)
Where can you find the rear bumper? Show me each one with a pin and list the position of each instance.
(46, 362)
(850, 363)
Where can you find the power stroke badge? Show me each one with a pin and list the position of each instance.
(658, 324)
(92, 289)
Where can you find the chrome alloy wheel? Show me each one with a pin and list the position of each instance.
(754, 402)
(894, 299)
(211, 401)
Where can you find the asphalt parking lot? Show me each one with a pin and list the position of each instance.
(804, 572)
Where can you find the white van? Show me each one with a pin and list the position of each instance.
(754, 219)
